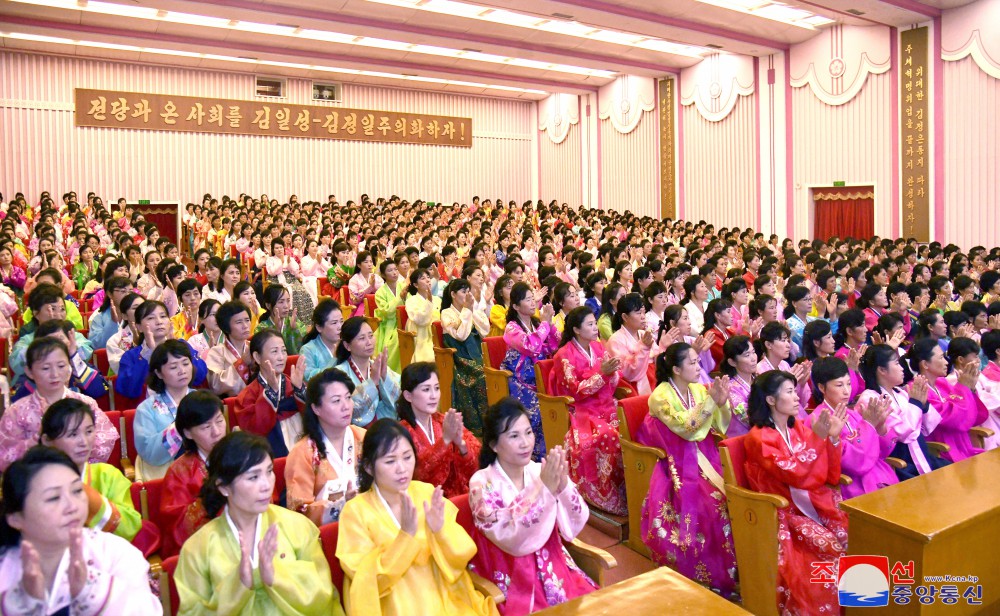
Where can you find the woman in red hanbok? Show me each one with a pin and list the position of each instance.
(523, 511)
(201, 422)
(787, 458)
(584, 372)
(447, 452)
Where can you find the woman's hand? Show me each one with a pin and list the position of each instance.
(919, 388)
(298, 375)
(269, 374)
(32, 579)
(246, 567)
(77, 563)
(969, 375)
(434, 511)
(610, 365)
(876, 412)
(407, 515)
(647, 338)
(266, 550)
(555, 470)
(547, 313)
(719, 390)
(451, 427)
(837, 419)
(854, 357)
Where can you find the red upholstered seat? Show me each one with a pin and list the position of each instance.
(544, 368)
(328, 537)
(636, 408)
(168, 567)
(115, 459)
(496, 350)
(370, 305)
(231, 412)
(438, 332)
(129, 417)
(738, 454)
(279, 478)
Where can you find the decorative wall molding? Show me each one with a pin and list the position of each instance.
(10, 103)
(836, 64)
(973, 30)
(556, 114)
(715, 84)
(625, 100)
(977, 49)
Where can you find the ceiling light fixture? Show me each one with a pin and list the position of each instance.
(245, 60)
(567, 27)
(109, 8)
(775, 11)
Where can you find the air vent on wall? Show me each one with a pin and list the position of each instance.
(328, 92)
(471, 50)
(562, 16)
(855, 12)
(713, 46)
(271, 87)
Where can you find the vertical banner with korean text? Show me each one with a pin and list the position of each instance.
(915, 129)
(668, 163)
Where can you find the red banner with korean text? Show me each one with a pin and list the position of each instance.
(194, 114)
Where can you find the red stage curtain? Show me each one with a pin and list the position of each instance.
(845, 212)
(164, 216)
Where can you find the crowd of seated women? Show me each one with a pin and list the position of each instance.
(250, 340)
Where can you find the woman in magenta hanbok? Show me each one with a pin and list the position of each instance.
(685, 521)
(988, 386)
(528, 341)
(956, 402)
(587, 374)
(865, 439)
(524, 511)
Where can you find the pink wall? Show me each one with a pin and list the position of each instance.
(44, 151)
(719, 151)
(971, 50)
(842, 119)
(560, 173)
(629, 141)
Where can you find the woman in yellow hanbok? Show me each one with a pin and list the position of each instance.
(400, 546)
(253, 558)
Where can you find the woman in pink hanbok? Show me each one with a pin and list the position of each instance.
(865, 439)
(685, 522)
(910, 417)
(739, 363)
(587, 374)
(364, 282)
(988, 386)
(284, 270)
(631, 343)
(313, 267)
(524, 511)
(956, 402)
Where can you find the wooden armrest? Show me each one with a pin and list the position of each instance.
(128, 469)
(556, 399)
(498, 372)
(981, 432)
(774, 500)
(636, 447)
(717, 436)
(845, 480)
(594, 561)
(937, 448)
(487, 588)
(448, 350)
(895, 463)
(623, 392)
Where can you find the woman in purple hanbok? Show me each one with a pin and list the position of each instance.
(739, 363)
(685, 522)
(528, 342)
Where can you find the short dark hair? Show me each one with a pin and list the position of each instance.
(161, 355)
(196, 408)
(234, 455)
(379, 440)
(497, 420)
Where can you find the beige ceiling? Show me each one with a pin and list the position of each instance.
(682, 21)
